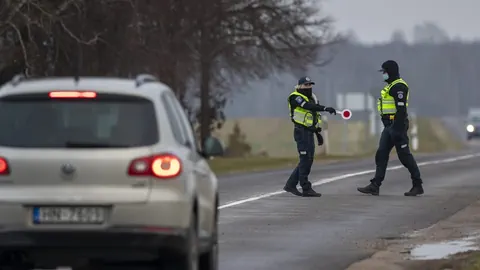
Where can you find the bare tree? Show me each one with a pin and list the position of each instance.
(243, 40)
(43, 33)
(200, 47)
(430, 33)
(398, 37)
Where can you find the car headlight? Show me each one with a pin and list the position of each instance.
(470, 128)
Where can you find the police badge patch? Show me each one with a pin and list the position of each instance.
(299, 99)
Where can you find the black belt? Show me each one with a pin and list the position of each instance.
(388, 117)
(313, 130)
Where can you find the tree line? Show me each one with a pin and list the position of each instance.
(443, 78)
(200, 48)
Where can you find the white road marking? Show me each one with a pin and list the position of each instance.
(348, 175)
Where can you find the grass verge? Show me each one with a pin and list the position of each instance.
(433, 137)
(249, 164)
(462, 261)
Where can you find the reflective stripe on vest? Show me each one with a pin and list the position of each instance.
(302, 116)
(386, 103)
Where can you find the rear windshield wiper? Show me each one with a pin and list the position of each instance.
(79, 144)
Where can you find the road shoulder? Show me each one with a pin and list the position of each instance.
(398, 254)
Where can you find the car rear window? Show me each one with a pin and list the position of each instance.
(106, 121)
(475, 119)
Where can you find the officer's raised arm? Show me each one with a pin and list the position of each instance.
(399, 93)
(298, 101)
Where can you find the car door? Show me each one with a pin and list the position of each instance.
(205, 185)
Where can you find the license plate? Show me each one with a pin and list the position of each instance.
(68, 215)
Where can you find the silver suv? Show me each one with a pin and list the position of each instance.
(102, 170)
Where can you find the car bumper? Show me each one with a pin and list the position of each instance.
(173, 214)
(111, 238)
(63, 247)
(128, 226)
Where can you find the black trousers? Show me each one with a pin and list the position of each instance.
(388, 139)
(306, 149)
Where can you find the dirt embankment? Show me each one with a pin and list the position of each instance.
(451, 244)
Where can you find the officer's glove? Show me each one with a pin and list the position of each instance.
(331, 110)
(319, 138)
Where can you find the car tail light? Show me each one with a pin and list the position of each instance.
(162, 166)
(4, 168)
(72, 94)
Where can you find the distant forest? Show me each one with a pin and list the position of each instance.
(443, 74)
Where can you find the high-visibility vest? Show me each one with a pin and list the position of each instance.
(386, 103)
(302, 116)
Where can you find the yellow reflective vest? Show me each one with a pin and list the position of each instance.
(302, 116)
(386, 103)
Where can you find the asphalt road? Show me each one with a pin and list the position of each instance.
(263, 228)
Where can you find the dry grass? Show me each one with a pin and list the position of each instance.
(435, 137)
(257, 163)
(273, 137)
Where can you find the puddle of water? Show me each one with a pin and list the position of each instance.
(441, 250)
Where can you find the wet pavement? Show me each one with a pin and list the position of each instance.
(263, 228)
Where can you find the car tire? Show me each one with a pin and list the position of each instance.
(17, 260)
(189, 258)
(209, 259)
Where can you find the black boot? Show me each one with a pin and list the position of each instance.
(415, 190)
(311, 193)
(371, 189)
(292, 190)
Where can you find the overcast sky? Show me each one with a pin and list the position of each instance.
(374, 20)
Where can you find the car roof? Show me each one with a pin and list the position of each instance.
(145, 87)
(474, 111)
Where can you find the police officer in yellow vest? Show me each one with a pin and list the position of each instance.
(392, 107)
(305, 114)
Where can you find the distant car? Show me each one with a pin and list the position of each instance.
(473, 124)
(103, 169)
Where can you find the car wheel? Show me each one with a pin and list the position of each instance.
(209, 260)
(17, 260)
(189, 258)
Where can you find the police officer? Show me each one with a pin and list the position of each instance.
(392, 106)
(304, 113)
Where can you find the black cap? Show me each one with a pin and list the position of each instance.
(390, 67)
(304, 80)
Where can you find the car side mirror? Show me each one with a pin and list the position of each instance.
(212, 147)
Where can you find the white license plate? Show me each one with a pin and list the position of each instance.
(68, 215)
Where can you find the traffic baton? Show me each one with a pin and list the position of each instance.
(346, 114)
